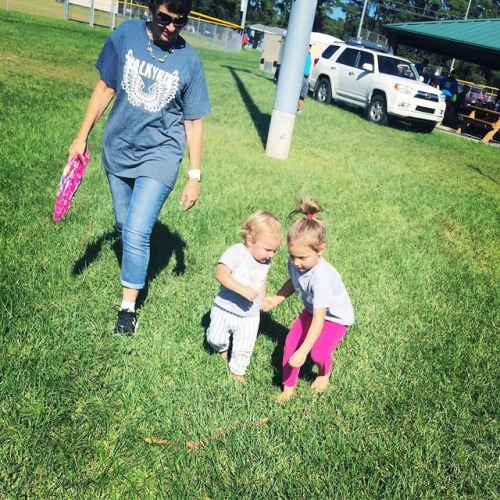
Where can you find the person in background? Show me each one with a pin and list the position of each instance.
(242, 273)
(160, 97)
(244, 40)
(327, 310)
(305, 81)
(420, 66)
(461, 103)
(449, 87)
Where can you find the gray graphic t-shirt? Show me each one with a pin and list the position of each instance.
(144, 134)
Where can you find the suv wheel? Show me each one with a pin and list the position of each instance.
(377, 110)
(323, 91)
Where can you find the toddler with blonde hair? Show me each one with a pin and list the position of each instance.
(242, 273)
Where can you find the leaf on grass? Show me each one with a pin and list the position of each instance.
(156, 441)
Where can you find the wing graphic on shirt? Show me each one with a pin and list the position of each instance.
(160, 93)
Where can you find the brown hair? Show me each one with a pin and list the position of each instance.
(261, 222)
(308, 229)
(181, 7)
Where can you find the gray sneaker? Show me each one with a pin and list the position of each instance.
(127, 323)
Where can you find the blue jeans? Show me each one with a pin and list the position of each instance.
(137, 204)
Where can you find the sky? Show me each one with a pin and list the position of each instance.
(337, 13)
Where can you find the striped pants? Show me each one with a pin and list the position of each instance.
(240, 332)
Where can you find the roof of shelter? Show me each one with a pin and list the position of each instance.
(475, 40)
(270, 30)
(323, 38)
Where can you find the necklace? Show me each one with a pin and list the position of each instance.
(150, 50)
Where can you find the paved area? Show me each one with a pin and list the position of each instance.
(470, 135)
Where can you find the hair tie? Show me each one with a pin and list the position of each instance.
(310, 216)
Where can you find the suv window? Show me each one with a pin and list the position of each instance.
(396, 67)
(365, 57)
(388, 65)
(329, 51)
(348, 57)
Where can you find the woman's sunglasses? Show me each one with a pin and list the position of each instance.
(165, 20)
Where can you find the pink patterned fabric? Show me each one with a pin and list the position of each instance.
(70, 180)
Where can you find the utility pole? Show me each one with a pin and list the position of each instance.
(243, 9)
(362, 18)
(465, 19)
(290, 79)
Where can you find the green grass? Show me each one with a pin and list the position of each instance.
(412, 411)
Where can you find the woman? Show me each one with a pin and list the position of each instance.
(160, 97)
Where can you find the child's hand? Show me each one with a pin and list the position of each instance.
(297, 359)
(269, 302)
(249, 293)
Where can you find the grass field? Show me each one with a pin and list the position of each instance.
(413, 220)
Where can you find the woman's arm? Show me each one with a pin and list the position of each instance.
(194, 138)
(283, 293)
(298, 358)
(99, 100)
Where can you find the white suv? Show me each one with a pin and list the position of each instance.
(384, 85)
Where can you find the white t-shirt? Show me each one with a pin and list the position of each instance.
(247, 271)
(321, 287)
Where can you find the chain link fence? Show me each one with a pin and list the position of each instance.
(201, 31)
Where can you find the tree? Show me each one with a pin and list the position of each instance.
(262, 11)
(321, 20)
(258, 11)
(227, 10)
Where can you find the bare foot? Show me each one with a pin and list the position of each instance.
(238, 378)
(321, 383)
(223, 354)
(286, 394)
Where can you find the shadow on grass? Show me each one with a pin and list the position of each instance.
(164, 246)
(260, 120)
(205, 323)
(276, 333)
(478, 170)
(91, 253)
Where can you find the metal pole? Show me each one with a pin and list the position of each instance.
(243, 9)
(66, 10)
(362, 18)
(112, 18)
(91, 20)
(465, 19)
(298, 36)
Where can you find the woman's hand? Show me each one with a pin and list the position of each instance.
(101, 96)
(190, 194)
(77, 147)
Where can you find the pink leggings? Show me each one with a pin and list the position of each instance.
(322, 350)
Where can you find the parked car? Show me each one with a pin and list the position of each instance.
(209, 31)
(385, 86)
